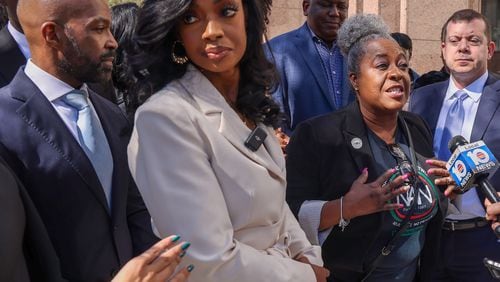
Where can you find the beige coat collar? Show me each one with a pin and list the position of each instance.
(218, 112)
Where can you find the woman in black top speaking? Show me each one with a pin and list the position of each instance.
(359, 179)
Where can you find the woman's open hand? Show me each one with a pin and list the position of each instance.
(320, 272)
(438, 168)
(492, 213)
(158, 263)
(367, 198)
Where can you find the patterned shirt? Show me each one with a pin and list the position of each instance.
(333, 66)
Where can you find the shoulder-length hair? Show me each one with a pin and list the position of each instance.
(124, 20)
(155, 37)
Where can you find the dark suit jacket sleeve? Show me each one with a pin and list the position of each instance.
(281, 98)
(279, 94)
(138, 217)
(426, 132)
(302, 165)
(40, 256)
(139, 221)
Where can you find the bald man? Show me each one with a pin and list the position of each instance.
(67, 145)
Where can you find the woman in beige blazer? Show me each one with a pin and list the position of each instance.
(209, 77)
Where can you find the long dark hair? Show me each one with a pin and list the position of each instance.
(124, 20)
(155, 36)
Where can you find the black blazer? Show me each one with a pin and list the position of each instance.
(11, 57)
(322, 165)
(27, 253)
(91, 243)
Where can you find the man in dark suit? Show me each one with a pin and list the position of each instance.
(68, 145)
(313, 72)
(467, 104)
(27, 254)
(14, 48)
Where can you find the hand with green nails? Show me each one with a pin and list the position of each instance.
(158, 263)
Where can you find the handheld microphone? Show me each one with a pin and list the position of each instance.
(471, 164)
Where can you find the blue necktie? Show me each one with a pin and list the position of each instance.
(453, 124)
(92, 139)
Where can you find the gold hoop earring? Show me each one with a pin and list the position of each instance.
(180, 60)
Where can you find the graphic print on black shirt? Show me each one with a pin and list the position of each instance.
(426, 206)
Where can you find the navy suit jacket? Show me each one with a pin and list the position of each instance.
(91, 243)
(24, 243)
(428, 100)
(303, 89)
(10, 55)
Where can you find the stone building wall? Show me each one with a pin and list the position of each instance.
(420, 19)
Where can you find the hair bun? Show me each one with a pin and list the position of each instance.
(357, 27)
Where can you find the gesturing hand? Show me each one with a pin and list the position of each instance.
(320, 272)
(158, 263)
(367, 198)
(492, 213)
(439, 169)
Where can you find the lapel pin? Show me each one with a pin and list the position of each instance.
(356, 143)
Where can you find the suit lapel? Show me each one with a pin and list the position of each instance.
(307, 50)
(356, 137)
(433, 109)
(12, 58)
(39, 114)
(274, 150)
(226, 120)
(236, 134)
(488, 105)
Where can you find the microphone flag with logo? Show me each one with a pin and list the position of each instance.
(469, 162)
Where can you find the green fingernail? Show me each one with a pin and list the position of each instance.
(176, 238)
(185, 246)
(182, 254)
(190, 268)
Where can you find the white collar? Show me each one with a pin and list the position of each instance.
(51, 87)
(20, 39)
(474, 89)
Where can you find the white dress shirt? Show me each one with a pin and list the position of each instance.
(54, 89)
(20, 40)
(470, 205)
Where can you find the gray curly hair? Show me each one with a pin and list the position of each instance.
(355, 33)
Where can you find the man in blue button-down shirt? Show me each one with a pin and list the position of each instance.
(313, 73)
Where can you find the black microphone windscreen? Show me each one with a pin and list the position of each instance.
(456, 141)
